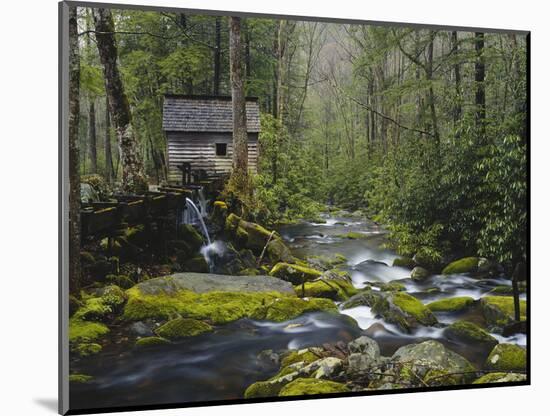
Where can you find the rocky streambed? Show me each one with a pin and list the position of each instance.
(333, 311)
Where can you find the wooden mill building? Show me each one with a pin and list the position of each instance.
(199, 131)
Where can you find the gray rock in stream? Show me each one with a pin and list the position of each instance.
(365, 354)
(208, 282)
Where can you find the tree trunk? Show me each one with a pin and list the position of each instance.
(92, 138)
(217, 55)
(479, 71)
(74, 172)
(431, 96)
(133, 176)
(108, 153)
(457, 107)
(240, 136)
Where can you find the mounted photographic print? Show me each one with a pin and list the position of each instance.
(261, 208)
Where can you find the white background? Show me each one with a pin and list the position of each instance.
(28, 220)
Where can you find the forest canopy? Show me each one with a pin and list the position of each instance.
(424, 130)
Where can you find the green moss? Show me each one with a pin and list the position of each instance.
(352, 235)
(147, 342)
(406, 262)
(305, 386)
(113, 296)
(191, 237)
(299, 356)
(330, 289)
(469, 332)
(80, 378)
(262, 389)
(286, 308)
(182, 328)
(451, 304)
(294, 273)
(499, 310)
(507, 357)
(93, 309)
(414, 308)
(465, 265)
(500, 377)
(86, 349)
(84, 331)
(219, 307)
(231, 223)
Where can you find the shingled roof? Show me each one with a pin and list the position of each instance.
(195, 113)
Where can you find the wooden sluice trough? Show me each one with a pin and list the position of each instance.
(106, 219)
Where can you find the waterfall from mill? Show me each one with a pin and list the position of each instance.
(199, 216)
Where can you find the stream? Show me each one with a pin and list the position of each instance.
(220, 365)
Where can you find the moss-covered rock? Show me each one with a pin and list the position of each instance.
(500, 377)
(406, 262)
(277, 251)
(294, 273)
(469, 332)
(464, 265)
(219, 212)
(419, 274)
(86, 349)
(93, 309)
(432, 363)
(191, 237)
(330, 289)
(84, 331)
(219, 307)
(286, 308)
(456, 304)
(306, 356)
(80, 378)
(307, 386)
(262, 389)
(402, 309)
(149, 342)
(507, 357)
(182, 328)
(196, 264)
(113, 296)
(499, 310)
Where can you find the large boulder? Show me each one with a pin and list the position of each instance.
(218, 299)
(499, 310)
(469, 333)
(507, 357)
(404, 310)
(406, 262)
(364, 355)
(182, 328)
(434, 364)
(464, 265)
(455, 304)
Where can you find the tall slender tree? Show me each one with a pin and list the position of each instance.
(479, 76)
(92, 136)
(133, 176)
(107, 144)
(240, 135)
(74, 168)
